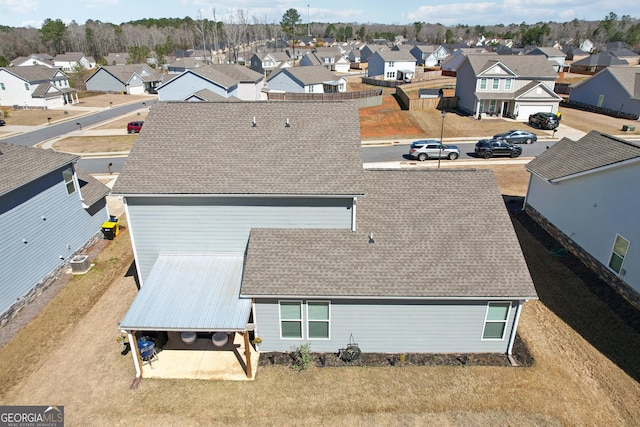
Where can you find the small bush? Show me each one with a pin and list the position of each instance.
(301, 356)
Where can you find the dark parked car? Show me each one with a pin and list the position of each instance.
(2, 122)
(488, 148)
(544, 120)
(517, 137)
(134, 127)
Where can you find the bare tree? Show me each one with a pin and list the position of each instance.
(236, 28)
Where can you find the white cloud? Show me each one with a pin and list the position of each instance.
(21, 7)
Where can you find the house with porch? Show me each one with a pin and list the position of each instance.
(505, 85)
(310, 79)
(590, 204)
(49, 211)
(133, 79)
(265, 63)
(392, 65)
(225, 80)
(304, 246)
(428, 55)
(36, 86)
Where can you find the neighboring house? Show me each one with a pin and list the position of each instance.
(392, 65)
(71, 60)
(369, 49)
(596, 62)
(304, 246)
(586, 45)
(34, 59)
(49, 210)
(265, 63)
(429, 55)
(586, 194)
(512, 86)
(452, 62)
(354, 56)
(133, 79)
(553, 55)
(616, 89)
(312, 79)
(624, 54)
(119, 58)
(35, 87)
(226, 80)
(332, 61)
(575, 54)
(180, 65)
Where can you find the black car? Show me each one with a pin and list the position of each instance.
(516, 136)
(488, 148)
(2, 122)
(544, 120)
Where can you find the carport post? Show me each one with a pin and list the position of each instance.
(247, 353)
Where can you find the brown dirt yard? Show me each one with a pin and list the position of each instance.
(586, 367)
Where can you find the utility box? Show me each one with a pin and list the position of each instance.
(110, 228)
(80, 264)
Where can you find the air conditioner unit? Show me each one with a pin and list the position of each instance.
(80, 264)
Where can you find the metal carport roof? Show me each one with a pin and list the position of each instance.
(191, 293)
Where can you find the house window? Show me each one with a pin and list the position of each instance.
(26, 86)
(391, 74)
(391, 64)
(507, 83)
(2, 86)
(620, 248)
(291, 319)
(495, 84)
(481, 107)
(492, 106)
(483, 83)
(495, 322)
(67, 174)
(318, 319)
(310, 88)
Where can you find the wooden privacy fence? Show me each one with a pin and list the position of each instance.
(338, 96)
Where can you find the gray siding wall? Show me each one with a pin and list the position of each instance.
(185, 85)
(615, 97)
(376, 66)
(221, 225)
(53, 224)
(104, 82)
(284, 82)
(391, 327)
(465, 88)
(592, 209)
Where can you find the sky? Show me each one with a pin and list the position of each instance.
(24, 13)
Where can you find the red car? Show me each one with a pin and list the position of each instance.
(134, 127)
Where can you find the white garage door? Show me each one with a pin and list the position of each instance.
(139, 90)
(524, 111)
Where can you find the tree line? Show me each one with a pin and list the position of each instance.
(237, 30)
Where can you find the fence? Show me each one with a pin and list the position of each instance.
(364, 98)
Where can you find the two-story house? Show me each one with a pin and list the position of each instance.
(71, 60)
(504, 85)
(49, 210)
(301, 245)
(429, 55)
(265, 63)
(392, 65)
(35, 87)
(555, 56)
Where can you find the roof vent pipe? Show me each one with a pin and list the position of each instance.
(371, 238)
(254, 122)
(287, 123)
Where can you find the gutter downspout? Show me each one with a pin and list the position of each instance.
(514, 329)
(134, 352)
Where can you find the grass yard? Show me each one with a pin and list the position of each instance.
(92, 144)
(570, 383)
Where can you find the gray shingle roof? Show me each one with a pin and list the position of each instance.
(396, 55)
(20, 165)
(592, 151)
(92, 190)
(527, 66)
(312, 74)
(435, 243)
(125, 72)
(601, 59)
(35, 73)
(220, 152)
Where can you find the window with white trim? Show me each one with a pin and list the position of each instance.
(67, 174)
(619, 252)
(507, 84)
(291, 319)
(2, 86)
(318, 319)
(391, 64)
(483, 83)
(481, 107)
(26, 86)
(495, 84)
(495, 322)
(492, 106)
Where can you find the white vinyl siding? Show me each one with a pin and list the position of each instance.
(507, 84)
(496, 321)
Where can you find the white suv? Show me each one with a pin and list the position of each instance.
(431, 149)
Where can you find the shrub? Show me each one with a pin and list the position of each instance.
(301, 356)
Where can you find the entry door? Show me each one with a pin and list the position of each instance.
(505, 109)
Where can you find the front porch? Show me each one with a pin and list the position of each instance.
(202, 360)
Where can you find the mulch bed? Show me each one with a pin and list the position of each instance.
(520, 354)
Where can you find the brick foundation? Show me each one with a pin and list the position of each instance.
(629, 294)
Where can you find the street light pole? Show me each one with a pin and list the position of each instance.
(444, 113)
